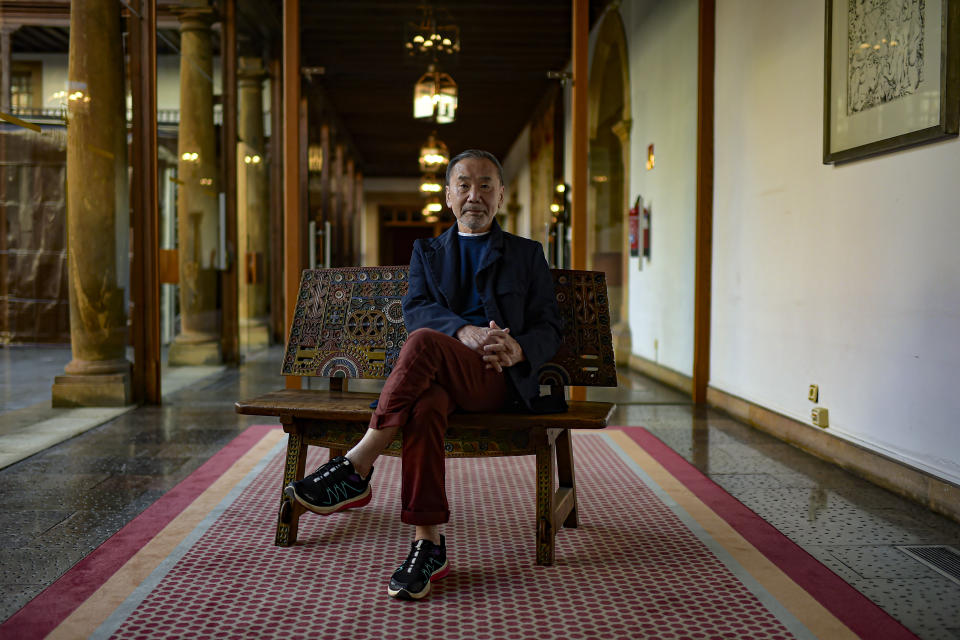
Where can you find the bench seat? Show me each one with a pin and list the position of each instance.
(348, 323)
(353, 406)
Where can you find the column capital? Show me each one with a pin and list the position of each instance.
(250, 70)
(195, 16)
(622, 130)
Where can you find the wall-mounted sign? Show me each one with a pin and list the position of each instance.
(633, 221)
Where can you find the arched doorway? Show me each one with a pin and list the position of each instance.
(609, 172)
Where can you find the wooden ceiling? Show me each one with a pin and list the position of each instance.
(507, 49)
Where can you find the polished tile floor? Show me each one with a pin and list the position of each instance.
(58, 505)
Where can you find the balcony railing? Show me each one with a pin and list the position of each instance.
(56, 115)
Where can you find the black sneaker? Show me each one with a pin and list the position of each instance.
(427, 562)
(335, 486)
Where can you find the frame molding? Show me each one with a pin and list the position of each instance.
(949, 124)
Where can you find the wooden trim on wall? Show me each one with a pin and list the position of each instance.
(292, 211)
(704, 233)
(661, 373)
(928, 490)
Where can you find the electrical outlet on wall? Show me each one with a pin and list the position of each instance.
(820, 417)
(813, 394)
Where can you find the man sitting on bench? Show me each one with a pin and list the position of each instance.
(482, 318)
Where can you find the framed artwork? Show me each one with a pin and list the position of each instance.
(891, 75)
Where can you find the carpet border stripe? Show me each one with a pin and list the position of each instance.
(696, 517)
(835, 595)
(146, 587)
(53, 605)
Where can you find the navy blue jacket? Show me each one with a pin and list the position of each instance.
(516, 286)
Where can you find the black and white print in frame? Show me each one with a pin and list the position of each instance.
(891, 75)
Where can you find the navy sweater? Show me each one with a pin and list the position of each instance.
(472, 249)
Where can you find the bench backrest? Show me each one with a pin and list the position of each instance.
(349, 324)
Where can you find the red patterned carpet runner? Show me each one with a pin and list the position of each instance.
(661, 552)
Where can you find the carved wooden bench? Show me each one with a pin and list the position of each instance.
(348, 323)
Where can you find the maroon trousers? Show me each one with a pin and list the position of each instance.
(434, 375)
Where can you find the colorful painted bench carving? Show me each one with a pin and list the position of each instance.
(348, 323)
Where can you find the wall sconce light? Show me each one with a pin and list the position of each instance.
(190, 156)
(559, 205)
(314, 158)
(649, 157)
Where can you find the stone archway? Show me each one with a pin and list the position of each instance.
(608, 198)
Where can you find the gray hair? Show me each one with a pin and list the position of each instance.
(475, 153)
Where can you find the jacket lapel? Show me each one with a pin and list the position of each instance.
(494, 249)
(443, 257)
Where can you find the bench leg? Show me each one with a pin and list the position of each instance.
(566, 475)
(545, 528)
(290, 510)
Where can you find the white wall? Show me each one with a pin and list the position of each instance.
(845, 276)
(516, 175)
(662, 49)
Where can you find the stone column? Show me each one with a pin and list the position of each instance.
(198, 216)
(98, 211)
(253, 224)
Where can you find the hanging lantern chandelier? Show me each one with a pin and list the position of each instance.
(431, 211)
(428, 38)
(434, 157)
(433, 154)
(430, 183)
(435, 97)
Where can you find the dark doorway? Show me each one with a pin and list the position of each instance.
(400, 226)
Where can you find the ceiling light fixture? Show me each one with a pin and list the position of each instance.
(433, 154)
(430, 184)
(426, 37)
(435, 97)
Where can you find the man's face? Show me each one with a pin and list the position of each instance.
(474, 194)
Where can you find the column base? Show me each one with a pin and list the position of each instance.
(94, 390)
(254, 332)
(194, 354)
(622, 343)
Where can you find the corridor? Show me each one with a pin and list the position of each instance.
(60, 504)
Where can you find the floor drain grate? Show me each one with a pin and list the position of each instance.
(941, 558)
